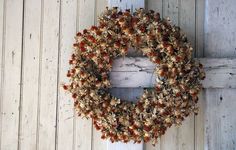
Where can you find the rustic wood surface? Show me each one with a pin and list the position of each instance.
(30, 76)
(219, 116)
(11, 72)
(139, 72)
(65, 114)
(36, 38)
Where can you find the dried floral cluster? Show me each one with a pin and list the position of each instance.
(170, 102)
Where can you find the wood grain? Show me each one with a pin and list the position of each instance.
(187, 23)
(219, 117)
(199, 122)
(220, 121)
(220, 31)
(187, 18)
(199, 31)
(11, 74)
(2, 40)
(171, 10)
(199, 52)
(65, 113)
(49, 75)
(30, 75)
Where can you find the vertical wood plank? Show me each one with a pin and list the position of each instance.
(10, 98)
(171, 10)
(220, 31)
(228, 121)
(149, 146)
(127, 4)
(82, 127)
(219, 41)
(187, 19)
(123, 4)
(126, 146)
(187, 24)
(100, 7)
(181, 13)
(211, 123)
(199, 122)
(170, 139)
(86, 14)
(97, 142)
(2, 40)
(30, 75)
(48, 73)
(199, 41)
(2, 21)
(132, 5)
(65, 113)
(186, 134)
(156, 5)
(220, 129)
(199, 52)
(136, 4)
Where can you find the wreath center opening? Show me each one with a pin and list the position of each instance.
(130, 76)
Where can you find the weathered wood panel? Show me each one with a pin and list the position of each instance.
(132, 5)
(184, 11)
(220, 129)
(82, 127)
(155, 5)
(100, 7)
(97, 142)
(48, 75)
(2, 37)
(65, 113)
(187, 19)
(127, 4)
(170, 9)
(35, 44)
(30, 75)
(220, 107)
(2, 26)
(199, 52)
(220, 31)
(11, 73)
(199, 31)
(199, 122)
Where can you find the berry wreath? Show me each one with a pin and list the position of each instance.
(174, 96)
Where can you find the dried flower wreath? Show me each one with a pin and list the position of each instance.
(170, 102)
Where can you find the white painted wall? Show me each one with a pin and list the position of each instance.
(36, 38)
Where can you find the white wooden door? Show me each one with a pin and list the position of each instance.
(36, 38)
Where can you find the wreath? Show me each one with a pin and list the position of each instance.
(174, 96)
